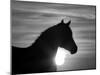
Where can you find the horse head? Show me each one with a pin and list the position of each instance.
(67, 42)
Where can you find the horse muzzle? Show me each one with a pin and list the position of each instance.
(74, 50)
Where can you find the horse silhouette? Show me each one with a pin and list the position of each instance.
(39, 57)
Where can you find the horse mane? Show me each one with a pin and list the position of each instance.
(43, 33)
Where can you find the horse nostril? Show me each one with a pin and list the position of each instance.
(74, 50)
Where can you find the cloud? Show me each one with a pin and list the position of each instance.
(55, 9)
(29, 17)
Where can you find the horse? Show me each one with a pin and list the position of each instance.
(39, 56)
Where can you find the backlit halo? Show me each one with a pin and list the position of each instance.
(60, 56)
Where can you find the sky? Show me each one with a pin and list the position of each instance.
(29, 19)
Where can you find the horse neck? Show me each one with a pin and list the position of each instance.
(47, 45)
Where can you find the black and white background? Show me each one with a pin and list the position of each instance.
(29, 19)
(5, 31)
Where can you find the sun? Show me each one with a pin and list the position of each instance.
(60, 56)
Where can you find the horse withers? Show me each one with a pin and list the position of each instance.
(38, 57)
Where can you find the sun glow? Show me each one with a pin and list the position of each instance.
(60, 56)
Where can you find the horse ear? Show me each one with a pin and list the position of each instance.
(68, 23)
(62, 21)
